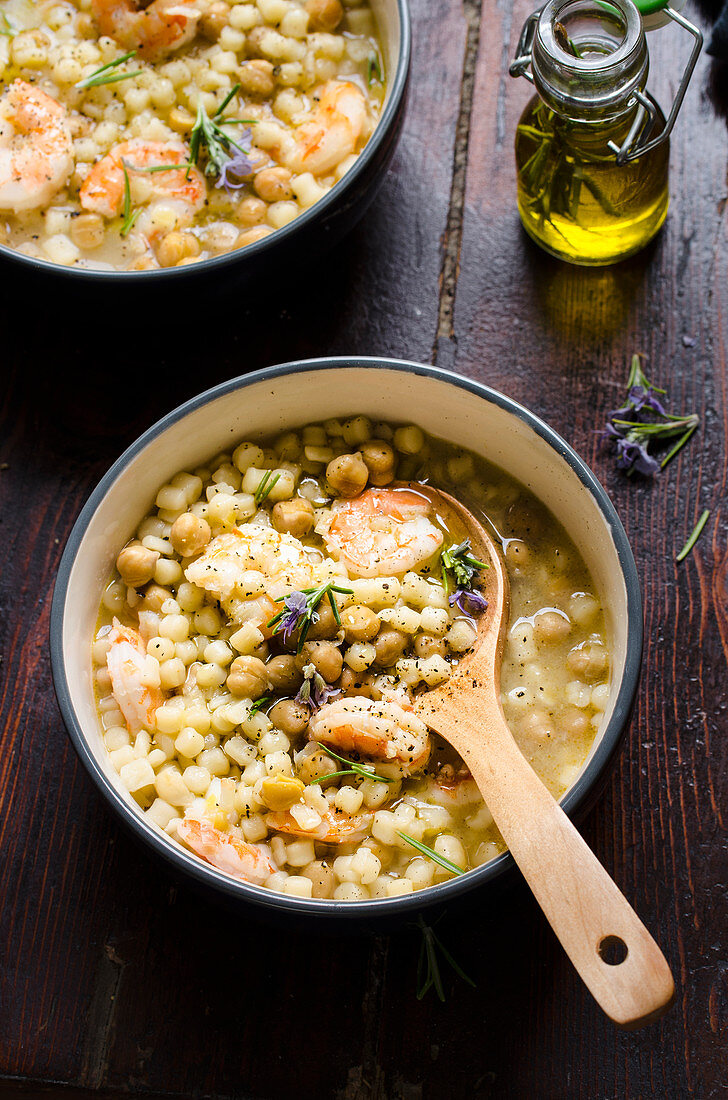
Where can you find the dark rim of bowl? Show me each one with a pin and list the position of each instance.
(280, 236)
(206, 875)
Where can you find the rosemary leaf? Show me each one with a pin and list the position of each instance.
(106, 75)
(262, 702)
(268, 481)
(130, 216)
(432, 854)
(697, 530)
(678, 446)
(428, 966)
(366, 771)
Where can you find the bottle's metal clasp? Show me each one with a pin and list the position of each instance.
(637, 141)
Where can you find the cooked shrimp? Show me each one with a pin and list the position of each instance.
(385, 729)
(36, 150)
(128, 667)
(383, 531)
(335, 827)
(249, 862)
(280, 557)
(103, 189)
(152, 29)
(333, 131)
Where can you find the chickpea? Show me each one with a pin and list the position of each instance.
(273, 184)
(427, 645)
(256, 77)
(316, 766)
(136, 564)
(250, 236)
(181, 121)
(189, 534)
(538, 726)
(356, 683)
(251, 211)
(379, 460)
(360, 623)
(214, 20)
(324, 15)
(280, 792)
(325, 657)
(390, 645)
(283, 673)
(289, 716)
(87, 231)
(326, 626)
(293, 516)
(247, 676)
(550, 626)
(588, 661)
(175, 247)
(321, 876)
(154, 597)
(347, 475)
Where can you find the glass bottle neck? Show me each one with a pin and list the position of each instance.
(589, 57)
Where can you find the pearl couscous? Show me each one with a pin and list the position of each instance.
(266, 632)
(137, 136)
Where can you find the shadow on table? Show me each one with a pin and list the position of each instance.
(587, 304)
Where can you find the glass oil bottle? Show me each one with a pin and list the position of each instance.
(592, 147)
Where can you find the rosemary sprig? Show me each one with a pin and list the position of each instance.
(374, 68)
(697, 531)
(631, 433)
(207, 134)
(266, 484)
(130, 216)
(552, 178)
(432, 854)
(259, 703)
(299, 610)
(6, 27)
(428, 966)
(106, 75)
(365, 771)
(460, 563)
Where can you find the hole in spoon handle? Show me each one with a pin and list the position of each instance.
(613, 950)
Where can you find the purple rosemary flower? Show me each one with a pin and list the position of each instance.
(641, 420)
(632, 455)
(639, 398)
(296, 607)
(470, 602)
(314, 691)
(234, 173)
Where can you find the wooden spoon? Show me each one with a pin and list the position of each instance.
(617, 958)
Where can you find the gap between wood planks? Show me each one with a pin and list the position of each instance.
(443, 351)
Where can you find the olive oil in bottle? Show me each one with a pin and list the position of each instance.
(592, 146)
(573, 197)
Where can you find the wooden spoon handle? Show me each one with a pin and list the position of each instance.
(616, 956)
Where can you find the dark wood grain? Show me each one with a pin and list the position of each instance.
(116, 981)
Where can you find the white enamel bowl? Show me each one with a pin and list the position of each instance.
(267, 402)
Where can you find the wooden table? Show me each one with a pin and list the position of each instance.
(114, 981)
